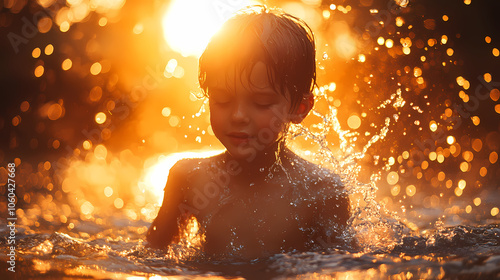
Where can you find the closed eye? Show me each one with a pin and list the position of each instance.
(263, 105)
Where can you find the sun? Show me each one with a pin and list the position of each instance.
(188, 25)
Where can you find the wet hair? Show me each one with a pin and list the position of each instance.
(283, 42)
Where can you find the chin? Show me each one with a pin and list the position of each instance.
(246, 153)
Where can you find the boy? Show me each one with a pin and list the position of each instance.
(257, 198)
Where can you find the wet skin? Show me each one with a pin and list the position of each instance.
(255, 199)
(302, 208)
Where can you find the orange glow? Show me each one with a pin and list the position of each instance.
(25, 105)
(36, 52)
(66, 64)
(494, 211)
(493, 157)
(433, 126)
(487, 77)
(100, 118)
(495, 94)
(495, 52)
(477, 201)
(389, 43)
(39, 71)
(54, 111)
(392, 178)
(49, 49)
(188, 26)
(411, 190)
(96, 68)
(156, 175)
(346, 46)
(354, 122)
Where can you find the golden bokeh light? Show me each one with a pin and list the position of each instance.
(39, 70)
(87, 145)
(450, 140)
(411, 190)
(464, 166)
(67, 64)
(36, 52)
(494, 211)
(392, 178)
(54, 111)
(100, 118)
(389, 43)
(354, 122)
(477, 201)
(495, 52)
(100, 151)
(380, 40)
(49, 49)
(495, 94)
(96, 68)
(493, 157)
(462, 183)
(433, 126)
(395, 190)
(118, 203)
(108, 191)
(166, 111)
(87, 208)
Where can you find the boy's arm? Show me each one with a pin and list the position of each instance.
(165, 228)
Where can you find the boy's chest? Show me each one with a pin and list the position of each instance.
(255, 221)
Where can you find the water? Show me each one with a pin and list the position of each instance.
(463, 252)
(396, 116)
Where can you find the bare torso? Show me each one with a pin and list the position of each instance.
(288, 206)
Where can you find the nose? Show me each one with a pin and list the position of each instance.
(239, 113)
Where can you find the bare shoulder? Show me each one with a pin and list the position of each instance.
(188, 166)
(192, 170)
(315, 174)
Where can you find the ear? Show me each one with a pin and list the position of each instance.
(306, 104)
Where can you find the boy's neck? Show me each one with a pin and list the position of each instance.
(258, 167)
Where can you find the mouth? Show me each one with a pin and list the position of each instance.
(239, 137)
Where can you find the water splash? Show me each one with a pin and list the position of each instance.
(371, 225)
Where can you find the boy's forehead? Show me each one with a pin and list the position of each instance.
(256, 76)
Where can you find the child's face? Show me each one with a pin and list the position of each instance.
(247, 115)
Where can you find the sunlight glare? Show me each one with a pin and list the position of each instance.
(188, 25)
(156, 175)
